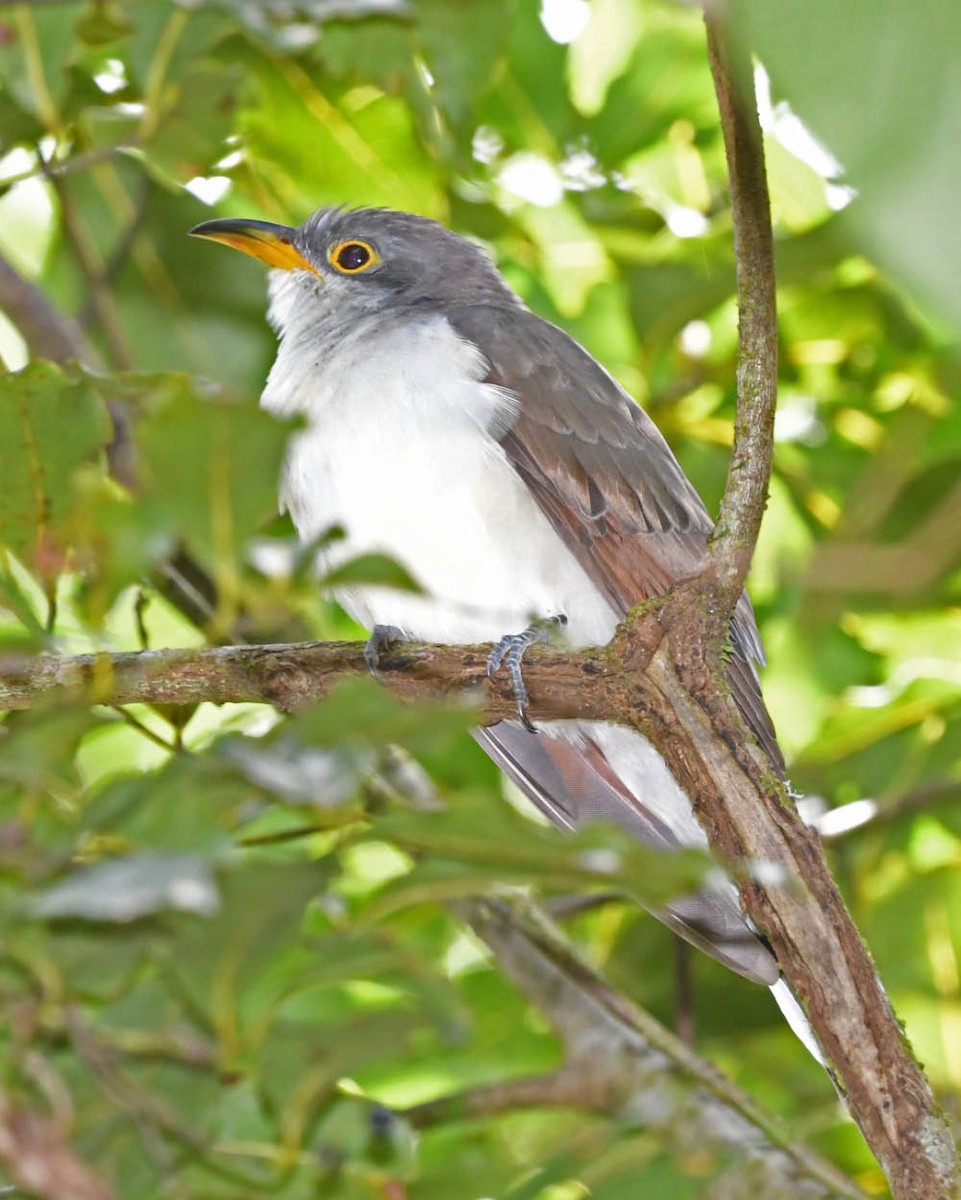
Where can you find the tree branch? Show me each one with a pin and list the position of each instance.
(748, 816)
(47, 332)
(564, 1088)
(101, 299)
(735, 534)
(745, 808)
(619, 1060)
(293, 676)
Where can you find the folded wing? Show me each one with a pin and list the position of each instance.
(614, 493)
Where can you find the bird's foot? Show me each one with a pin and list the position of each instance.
(382, 638)
(510, 651)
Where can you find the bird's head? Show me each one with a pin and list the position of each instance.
(351, 262)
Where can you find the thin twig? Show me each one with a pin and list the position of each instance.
(75, 162)
(144, 729)
(565, 1088)
(120, 252)
(101, 298)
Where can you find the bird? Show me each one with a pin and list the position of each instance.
(448, 426)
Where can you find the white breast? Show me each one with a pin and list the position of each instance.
(400, 449)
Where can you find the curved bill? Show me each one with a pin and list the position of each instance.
(272, 244)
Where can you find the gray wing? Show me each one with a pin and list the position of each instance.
(610, 486)
(606, 479)
(574, 785)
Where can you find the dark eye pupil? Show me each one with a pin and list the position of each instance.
(353, 256)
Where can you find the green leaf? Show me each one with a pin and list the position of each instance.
(891, 132)
(190, 137)
(211, 468)
(101, 24)
(371, 569)
(54, 425)
(38, 747)
(479, 843)
(359, 713)
(319, 151)
(235, 964)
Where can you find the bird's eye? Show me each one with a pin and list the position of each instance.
(352, 257)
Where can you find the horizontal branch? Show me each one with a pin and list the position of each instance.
(292, 676)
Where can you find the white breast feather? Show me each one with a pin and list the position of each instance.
(400, 449)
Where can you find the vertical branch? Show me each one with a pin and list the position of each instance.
(816, 943)
(745, 493)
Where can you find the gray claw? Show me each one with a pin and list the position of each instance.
(382, 638)
(510, 651)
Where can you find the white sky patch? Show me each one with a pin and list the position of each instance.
(464, 952)
(581, 172)
(231, 160)
(487, 145)
(564, 20)
(299, 35)
(872, 696)
(13, 349)
(796, 420)
(26, 211)
(685, 222)
(839, 195)
(781, 122)
(695, 339)
(849, 816)
(210, 189)
(17, 162)
(112, 78)
(531, 178)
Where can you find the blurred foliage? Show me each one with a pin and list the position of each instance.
(222, 947)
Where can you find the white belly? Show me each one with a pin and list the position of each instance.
(403, 457)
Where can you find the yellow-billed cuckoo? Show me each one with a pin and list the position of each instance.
(490, 454)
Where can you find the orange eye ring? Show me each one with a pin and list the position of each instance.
(352, 257)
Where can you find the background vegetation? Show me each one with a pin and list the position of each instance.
(222, 937)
